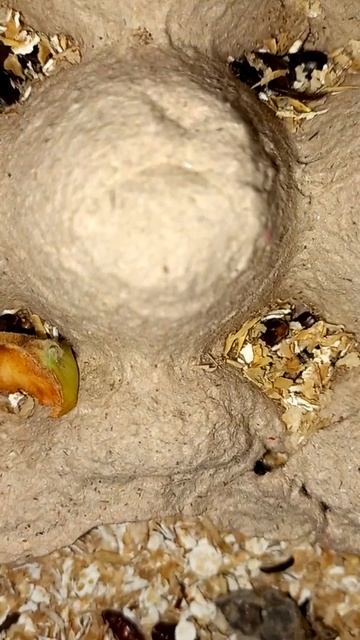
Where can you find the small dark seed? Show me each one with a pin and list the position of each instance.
(10, 619)
(181, 597)
(31, 57)
(279, 567)
(4, 52)
(305, 355)
(244, 71)
(305, 608)
(13, 323)
(281, 85)
(122, 627)
(271, 60)
(311, 59)
(306, 319)
(8, 93)
(308, 62)
(276, 330)
(163, 631)
(261, 468)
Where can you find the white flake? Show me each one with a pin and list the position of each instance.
(48, 66)
(253, 566)
(277, 313)
(156, 541)
(16, 17)
(88, 580)
(296, 46)
(242, 577)
(25, 96)
(257, 546)
(11, 312)
(204, 611)
(305, 594)
(56, 43)
(351, 583)
(27, 623)
(247, 353)
(204, 559)
(186, 540)
(336, 570)
(65, 578)
(40, 595)
(295, 326)
(133, 582)
(129, 613)
(21, 404)
(232, 583)
(185, 630)
(28, 606)
(109, 540)
(322, 355)
(51, 330)
(153, 600)
(263, 96)
(151, 617)
(27, 45)
(230, 538)
(119, 531)
(298, 401)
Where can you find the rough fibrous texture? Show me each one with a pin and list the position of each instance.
(149, 207)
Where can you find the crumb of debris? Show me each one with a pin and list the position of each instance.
(312, 8)
(163, 579)
(143, 36)
(292, 356)
(27, 55)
